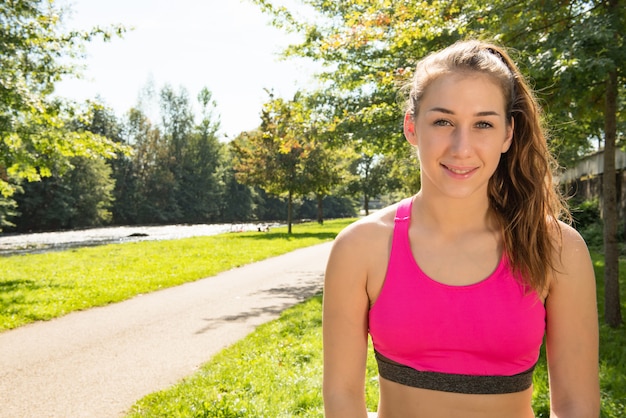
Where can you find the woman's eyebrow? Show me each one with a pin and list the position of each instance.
(450, 112)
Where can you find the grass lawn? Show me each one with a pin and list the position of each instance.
(276, 372)
(44, 286)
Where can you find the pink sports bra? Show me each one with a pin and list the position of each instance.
(480, 338)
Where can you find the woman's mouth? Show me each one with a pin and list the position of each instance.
(460, 171)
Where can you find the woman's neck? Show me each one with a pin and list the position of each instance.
(453, 216)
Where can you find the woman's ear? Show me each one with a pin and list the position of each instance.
(409, 129)
(509, 136)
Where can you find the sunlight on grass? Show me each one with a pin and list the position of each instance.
(276, 372)
(612, 348)
(44, 286)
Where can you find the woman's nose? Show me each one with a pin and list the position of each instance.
(461, 144)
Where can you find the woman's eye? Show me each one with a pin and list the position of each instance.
(442, 122)
(484, 125)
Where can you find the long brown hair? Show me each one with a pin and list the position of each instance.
(522, 192)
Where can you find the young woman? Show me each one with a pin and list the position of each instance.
(459, 284)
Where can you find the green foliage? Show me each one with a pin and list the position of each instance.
(586, 213)
(334, 207)
(588, 222)
(78, 190)
(8, 210)
(37, 138)
(44, 286)
(593, 235)
(178, 171)
(237, 202)
(283, 156)
(35, 53)
(253, 378)
(371, 177)
(569, 50)
(81, 197)
(572, 51)
(370, 48)
(612, 348)
(202, 184)
(273, 156)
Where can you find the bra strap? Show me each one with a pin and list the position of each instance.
(457, 383)
(403, 212)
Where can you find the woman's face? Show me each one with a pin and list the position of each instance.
(460, 132)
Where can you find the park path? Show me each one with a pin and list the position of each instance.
(99, 362)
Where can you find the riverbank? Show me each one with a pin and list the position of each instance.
(61, 240)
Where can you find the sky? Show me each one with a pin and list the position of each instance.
(227, 46)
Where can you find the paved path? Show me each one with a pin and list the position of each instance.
(99, 362)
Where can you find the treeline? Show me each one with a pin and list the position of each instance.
(173, 169)
(318, 151)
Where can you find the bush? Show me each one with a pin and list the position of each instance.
(588, 222)
(335, 207)
(586, 213)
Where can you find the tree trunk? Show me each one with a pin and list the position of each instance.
(366, 204)
(612, 308)
(289, 212)
(320, 209)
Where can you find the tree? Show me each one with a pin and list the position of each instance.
(91, 187)
(573, 50)
(175, 172)
(372, 177)
(78, 193)
(576, 52)
(92, 179)
(237, 202)
(44, 205)
(35, 54)
(81, 197)
(322, 169)
(273, 156)
(153, 200)
(612, 311)
(200, 186)
(326, 164)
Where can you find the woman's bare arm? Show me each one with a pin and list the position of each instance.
(346, 307)
(572, 332)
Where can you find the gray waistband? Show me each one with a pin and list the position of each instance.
(457, 383)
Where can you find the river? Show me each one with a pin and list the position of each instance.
(54, 241)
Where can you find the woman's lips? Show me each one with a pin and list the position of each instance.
(459, 171)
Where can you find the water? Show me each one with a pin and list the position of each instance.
(55, 241)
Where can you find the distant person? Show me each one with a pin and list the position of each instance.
(458, 285)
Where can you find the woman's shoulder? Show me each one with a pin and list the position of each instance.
(569, 239)
(372, 225)
(368, 232)
(360, 250)
(572, 255)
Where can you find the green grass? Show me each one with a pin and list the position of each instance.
(276, 372)
(44, 286)
(612, 349)
(612, 356)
